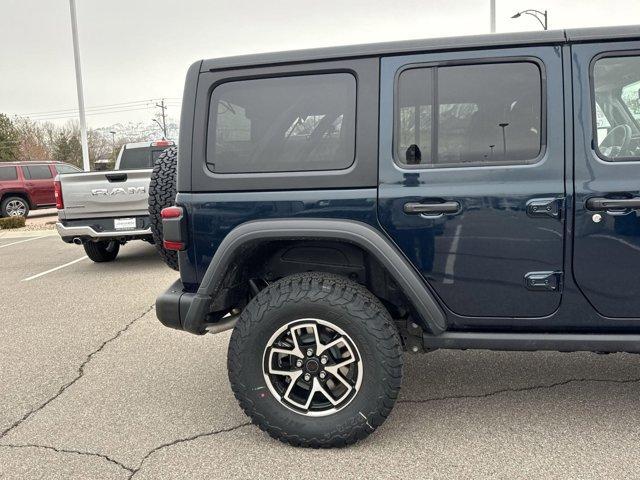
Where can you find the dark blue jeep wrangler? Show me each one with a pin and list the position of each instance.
(338, 206)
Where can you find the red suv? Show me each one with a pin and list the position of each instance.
(29, 185)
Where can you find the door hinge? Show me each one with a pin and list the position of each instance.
(543, 281)
(544, 207)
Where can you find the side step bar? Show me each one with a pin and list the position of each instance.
(562, 342)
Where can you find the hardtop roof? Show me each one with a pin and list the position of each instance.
(434, 44)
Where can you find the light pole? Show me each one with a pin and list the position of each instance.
(542, 17)
(113, 142)
(76, 56)
(492, 15)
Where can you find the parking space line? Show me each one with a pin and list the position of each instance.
(27, 240)
(33, 277)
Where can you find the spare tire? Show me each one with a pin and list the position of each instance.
(162, 193)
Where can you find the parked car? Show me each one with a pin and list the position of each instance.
(338, 206)
(103, 210)
(28, 185)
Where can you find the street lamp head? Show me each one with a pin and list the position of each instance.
(517, 15)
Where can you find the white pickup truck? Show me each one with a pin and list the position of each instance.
(105, 209)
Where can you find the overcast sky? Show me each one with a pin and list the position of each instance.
(134, 50)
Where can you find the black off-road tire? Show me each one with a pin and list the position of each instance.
(348, 306)
(162, 193)
(105, 251)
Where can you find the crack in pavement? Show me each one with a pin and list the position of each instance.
(184, 440)
(519, 389)
(64, 450)
(80, 374)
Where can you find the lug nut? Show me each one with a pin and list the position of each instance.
(299, 363)
(309, 352)
(324, 360)
(307, 377)
(322, 375)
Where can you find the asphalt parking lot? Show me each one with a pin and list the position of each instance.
(92, 386)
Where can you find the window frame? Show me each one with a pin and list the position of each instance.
(592, 93)
(211, 125)
(435, 111)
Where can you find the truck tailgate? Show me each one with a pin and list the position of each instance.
(105, 194)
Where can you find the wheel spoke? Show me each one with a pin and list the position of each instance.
(333, 343)
(283, 351)
(335, 372)
(294, 379)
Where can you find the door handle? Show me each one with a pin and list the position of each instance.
(599, 204)
(431, 208)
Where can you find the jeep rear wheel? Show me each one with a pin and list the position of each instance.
(316, 361)
(104, 251)
(162, 193)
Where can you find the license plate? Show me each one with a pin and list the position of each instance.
(124, 223)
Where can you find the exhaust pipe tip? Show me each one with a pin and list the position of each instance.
(77, 241)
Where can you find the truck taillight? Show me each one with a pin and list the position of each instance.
(57, 190)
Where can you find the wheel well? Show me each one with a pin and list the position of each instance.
(22, 195)
(270, 261)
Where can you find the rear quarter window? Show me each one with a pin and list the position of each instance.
(67, 169)
(8, 173)
(283, 124)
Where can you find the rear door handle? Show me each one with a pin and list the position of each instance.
(431, 208)
(599, 204)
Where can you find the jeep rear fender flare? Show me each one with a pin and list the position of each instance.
(374, 242)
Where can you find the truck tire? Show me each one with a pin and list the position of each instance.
(104, 251)
(344, 371)
(14, 207)
(162, 193)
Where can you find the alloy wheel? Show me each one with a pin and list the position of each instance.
(312, 367)
(16, 208)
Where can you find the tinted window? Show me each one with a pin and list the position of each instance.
(67, 169)
(297, 123)
(136, 158)
(484, 114)
(617, 107)
(8, 173)
(154, 156)
(37, 172)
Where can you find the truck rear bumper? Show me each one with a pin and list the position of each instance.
(69, 232)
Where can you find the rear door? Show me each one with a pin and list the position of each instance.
(607, 176)
(472, 176)
(39, 181)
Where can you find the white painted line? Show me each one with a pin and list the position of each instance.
(33, 277)
(451, 258)
(22, 241)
